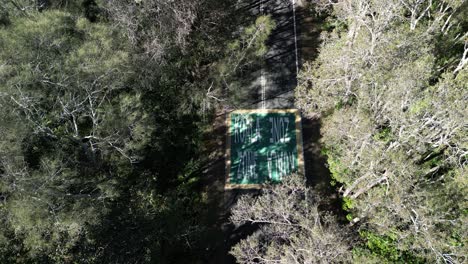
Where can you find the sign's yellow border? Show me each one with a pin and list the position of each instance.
(300, 151)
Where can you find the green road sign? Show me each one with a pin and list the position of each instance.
(263, 146)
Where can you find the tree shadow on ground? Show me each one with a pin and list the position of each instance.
(317, 174)
(223, 235)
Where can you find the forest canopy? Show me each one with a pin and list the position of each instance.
(109, 112)
(101, 124)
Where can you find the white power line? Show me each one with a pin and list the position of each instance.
(263, 85)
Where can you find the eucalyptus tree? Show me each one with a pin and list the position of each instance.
(393, 107)
(66, 115)
(292, 229)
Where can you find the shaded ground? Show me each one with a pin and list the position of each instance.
(224, 235)
(280, 72)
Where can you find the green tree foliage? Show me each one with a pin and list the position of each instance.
(100, 127)
(99, 159)
(62, 85)
(393, 108)
(243, 56)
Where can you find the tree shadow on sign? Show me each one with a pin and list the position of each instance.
(221, 234)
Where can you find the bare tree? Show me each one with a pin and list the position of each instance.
(155, 25)
(292, 229)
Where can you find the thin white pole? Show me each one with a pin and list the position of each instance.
(295, 36)
(262, 72)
